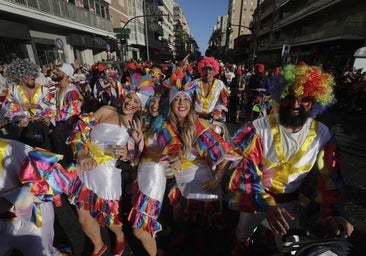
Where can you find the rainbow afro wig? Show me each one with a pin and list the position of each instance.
(307, 81)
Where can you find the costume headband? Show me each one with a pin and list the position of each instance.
(143, 86)
(178, 83)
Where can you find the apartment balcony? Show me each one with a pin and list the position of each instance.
(61, 13)
(349, 31)
(304, 11)
(264, 30)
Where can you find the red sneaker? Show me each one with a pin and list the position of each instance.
(101, 251)
(119, 248)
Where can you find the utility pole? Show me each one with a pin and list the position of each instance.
(229, 30)
(124, 33)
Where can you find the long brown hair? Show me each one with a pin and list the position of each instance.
(187, 132)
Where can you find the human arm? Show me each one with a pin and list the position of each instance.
(217, 152)
(78, 141)
(324, 187)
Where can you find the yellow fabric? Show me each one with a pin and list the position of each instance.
(206, 100)
(38, 215)
(33, 100)
(98, 153)
(285, 168)
(3, 146)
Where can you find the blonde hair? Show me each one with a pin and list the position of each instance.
(188, 131)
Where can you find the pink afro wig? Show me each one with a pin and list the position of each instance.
(211, 61)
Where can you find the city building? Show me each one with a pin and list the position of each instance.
(326, 32)
(87, 31)
(239, 20)
(49, 30)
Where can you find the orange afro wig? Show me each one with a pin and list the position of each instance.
(208, 61)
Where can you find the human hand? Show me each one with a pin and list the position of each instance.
(175, 161)
(136, 130)
(211, 184)
(121, 153)
(86, 162)
(28, 106)
(278, 218)
(340, 226)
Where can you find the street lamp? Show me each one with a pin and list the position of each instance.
(123, 29)
(230, 29)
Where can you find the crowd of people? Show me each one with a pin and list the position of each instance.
(74, 131)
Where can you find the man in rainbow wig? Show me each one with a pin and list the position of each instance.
(286, 154)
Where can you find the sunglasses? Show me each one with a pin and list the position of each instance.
(155, 74)
(207, 68)
(301, 101)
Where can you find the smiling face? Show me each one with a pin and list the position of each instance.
(131, 104)
(294, 111)
(181, 105)
(154, 106)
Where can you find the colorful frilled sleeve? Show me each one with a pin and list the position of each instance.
(71, 106)
(80, 137)
(211, 146)
(45, 178)
(222, 105)
(325, 185)
(245, 182)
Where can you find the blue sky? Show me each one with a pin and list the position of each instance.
(201, 16)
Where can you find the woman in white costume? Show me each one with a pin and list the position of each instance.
(199, 156)
(151, 181)
(98, 141)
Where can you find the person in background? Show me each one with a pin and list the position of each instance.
(98, 141)
(199, 158)
(287, 153)
(31, 106)
(255, 89)
(147, 201)
(3, 82)
(68, 107)
(211, 95)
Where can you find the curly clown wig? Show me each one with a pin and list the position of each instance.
(208, 61)
(19, 68)
(303, 81)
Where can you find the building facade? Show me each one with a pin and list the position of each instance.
(325, 32)
(47, 30)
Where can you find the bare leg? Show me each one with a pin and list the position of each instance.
(91, 228)
(117, 230)
(147, 240)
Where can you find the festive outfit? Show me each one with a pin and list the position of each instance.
(275, 165)
(99, 190)
(216, 101)
(208, 150)
(42, 97)
(31, 180)
(151, 181)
